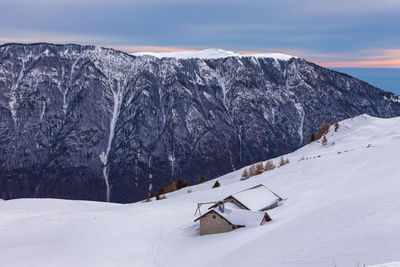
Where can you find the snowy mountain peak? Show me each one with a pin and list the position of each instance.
(212, 53)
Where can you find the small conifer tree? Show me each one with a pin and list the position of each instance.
(217, 184)
(312, 138)
(181, 184)
(287, 161)
(160, 192)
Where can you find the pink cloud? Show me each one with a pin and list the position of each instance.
(390, 63)
(380, 58)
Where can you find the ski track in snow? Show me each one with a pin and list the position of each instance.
(341, 208)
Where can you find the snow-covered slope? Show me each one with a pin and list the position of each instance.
(211, 53)
(341, 208)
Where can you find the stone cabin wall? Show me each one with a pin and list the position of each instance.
(213, 223)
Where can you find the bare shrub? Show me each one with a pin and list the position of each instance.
(323, 131)
(171, 187)
(259, 168)
(252, 170)
(336, 124)
(324, 140)
(245, 175)
(202, 180)
(281, 162)
(269, 165)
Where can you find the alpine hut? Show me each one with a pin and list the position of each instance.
(227, 217)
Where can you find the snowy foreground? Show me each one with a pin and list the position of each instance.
(342, 208)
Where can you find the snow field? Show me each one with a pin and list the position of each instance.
(340, 209)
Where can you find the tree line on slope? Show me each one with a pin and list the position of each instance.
(259, 167)
(173, 186)
(254, 169)
(322, 132)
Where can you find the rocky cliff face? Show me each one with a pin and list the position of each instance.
(84, 122)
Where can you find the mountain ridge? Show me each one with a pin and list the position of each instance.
(85, 122)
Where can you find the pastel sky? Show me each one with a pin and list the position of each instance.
(335, 33)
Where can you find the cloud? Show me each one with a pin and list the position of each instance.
(28, 36)
(390, 63)
(330, 32)
(377, 58)
(345, 6)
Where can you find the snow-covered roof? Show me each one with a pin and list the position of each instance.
(246, 218)
(211, 53)
(230, 205)
(237, 216)
(256, 198)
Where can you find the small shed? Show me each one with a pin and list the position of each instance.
(226, 218)
(256, 198)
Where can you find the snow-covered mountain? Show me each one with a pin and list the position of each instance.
(341, 208)
(212, 53)
(85, 122)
